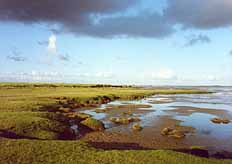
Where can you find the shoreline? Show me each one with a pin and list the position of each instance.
(68, 100)
(54, 108)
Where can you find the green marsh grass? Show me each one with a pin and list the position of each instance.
(24, 112)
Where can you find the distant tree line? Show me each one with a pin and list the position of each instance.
(55, 85)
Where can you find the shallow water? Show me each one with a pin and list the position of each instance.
(220, 100)
(205, 127)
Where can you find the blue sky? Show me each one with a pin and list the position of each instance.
(186, 53)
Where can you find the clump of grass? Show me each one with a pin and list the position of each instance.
(129, 113)
(93, 124)
(65, 110)
(83, 115)
(137, 127)
(173, 133)
(196, 147)
(100, 110)
(30, 125)
(220, 121)
(76, 116)
(123, 120)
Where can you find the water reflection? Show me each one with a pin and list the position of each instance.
(162, 104)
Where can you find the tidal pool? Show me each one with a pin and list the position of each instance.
(195, 111)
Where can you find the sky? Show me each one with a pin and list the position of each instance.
(141, 42)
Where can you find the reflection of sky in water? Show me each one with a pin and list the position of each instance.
(202, 105)
(98, 116)
(204, 126)
(220, 100)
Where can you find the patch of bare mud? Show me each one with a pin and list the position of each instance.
(187, 111)
(148, 138)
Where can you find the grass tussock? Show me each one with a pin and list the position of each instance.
(34, 125)
(93, 124)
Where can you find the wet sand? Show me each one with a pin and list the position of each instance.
(154, 119)
(187, 111)
(148, 138)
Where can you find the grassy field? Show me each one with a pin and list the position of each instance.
(32, 97)
(34, 121)
(77, 152)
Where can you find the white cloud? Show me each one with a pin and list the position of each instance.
(53, 52)
(96, 75)
(212, 78)
(104, 74)
(33, 76)
(52, 49)
(84, 75)
(163, 74)
(203, 79)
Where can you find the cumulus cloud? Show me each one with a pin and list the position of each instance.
(52, 44)
(69, 15)
(150, 25)
(206, 14)
(57, 11)
(52, 48)
(195, 39)
(81, 17)
(104, 18)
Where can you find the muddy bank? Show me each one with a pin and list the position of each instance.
(187, 111)
(149, 137)
(156, 114)
(110, 124)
